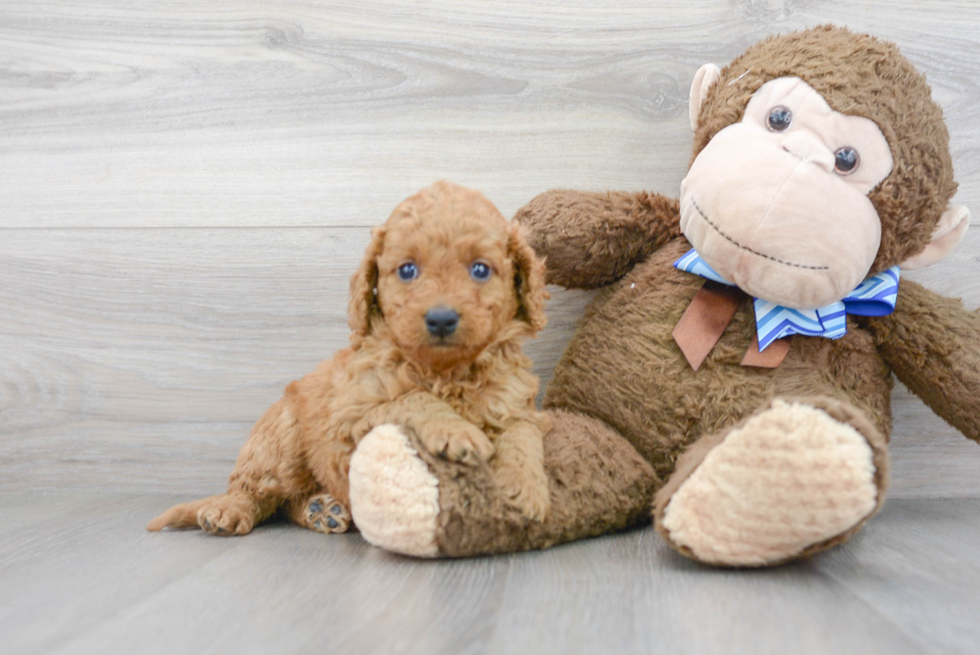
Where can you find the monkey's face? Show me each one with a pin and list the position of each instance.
(778, 203)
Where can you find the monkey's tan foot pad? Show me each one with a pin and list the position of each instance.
(787, 483)
(394, 497)
(324, 514)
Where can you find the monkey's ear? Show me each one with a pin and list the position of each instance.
(703, 79)
(949, 231)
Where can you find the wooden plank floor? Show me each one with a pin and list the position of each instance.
(79, 575)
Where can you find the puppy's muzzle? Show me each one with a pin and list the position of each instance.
(441, 321)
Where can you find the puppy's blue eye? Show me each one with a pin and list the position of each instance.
(480, 271)
(408, 271)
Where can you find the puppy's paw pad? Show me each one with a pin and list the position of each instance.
(326, 515)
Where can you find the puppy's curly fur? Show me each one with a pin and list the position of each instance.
(467, 392)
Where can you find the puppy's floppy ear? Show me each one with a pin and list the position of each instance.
(528, 279)
(363, 303)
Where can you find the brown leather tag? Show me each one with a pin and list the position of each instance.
(705, 320)
(771, 357)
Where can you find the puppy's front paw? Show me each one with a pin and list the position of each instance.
(526, 492)
(456, 440)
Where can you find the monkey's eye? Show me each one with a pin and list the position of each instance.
(408, 271)
(779, 119)
(846, 160)
(480, 271)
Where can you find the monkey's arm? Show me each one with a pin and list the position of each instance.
(592, 239)
(933, 345)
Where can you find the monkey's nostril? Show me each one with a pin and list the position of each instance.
(441, 321)
(809, 149)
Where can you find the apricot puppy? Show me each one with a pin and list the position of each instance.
(438, 308)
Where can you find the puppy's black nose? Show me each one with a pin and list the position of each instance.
(441, 321)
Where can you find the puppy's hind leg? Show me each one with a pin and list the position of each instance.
(269, 469)
(181, 516)
(225, 515)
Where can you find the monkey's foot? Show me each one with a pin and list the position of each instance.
(394, 496)
(790, 481)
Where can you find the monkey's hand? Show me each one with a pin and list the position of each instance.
(933, 345)
(592, 239)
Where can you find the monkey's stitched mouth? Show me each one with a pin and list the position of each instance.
(749, 250)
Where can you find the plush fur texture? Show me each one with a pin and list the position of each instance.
(468, 397)
(400, 516)
(597, 482)
(798, 466)
(931, 344)
(623, 397)
(748, 201)
(857, 75)
(631, 226)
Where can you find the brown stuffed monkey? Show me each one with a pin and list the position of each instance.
(735, 370)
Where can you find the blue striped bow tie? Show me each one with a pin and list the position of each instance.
(873, 297)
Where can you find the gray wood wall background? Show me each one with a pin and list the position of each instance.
(185, 188)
